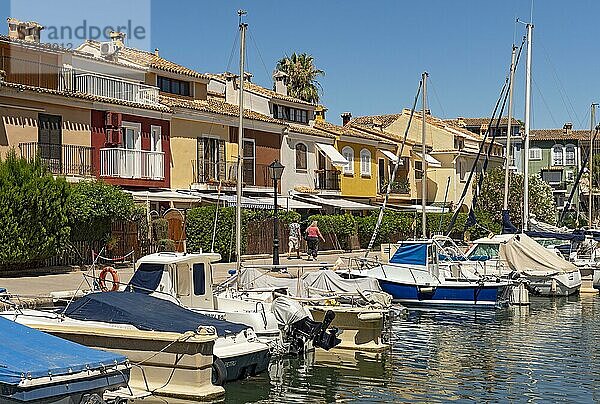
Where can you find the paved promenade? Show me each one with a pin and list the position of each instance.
(44, 284)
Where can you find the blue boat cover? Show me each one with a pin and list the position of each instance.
(575, 236)
(410, 254)
(147, 278)
(145, 312)
(28, 352)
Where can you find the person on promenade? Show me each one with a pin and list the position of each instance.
(312, 238)
(294, 240)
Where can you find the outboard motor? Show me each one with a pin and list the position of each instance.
(300, 328)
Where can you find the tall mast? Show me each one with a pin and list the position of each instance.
(240, 157)
(527, 126)
(424, 160)
(591, 176)
(509, 128)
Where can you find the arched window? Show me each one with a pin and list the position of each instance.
(557, 155)
(301, 160)
(365, 162)
(348, 153)
(570, 155)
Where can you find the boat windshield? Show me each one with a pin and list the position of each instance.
(483, 252)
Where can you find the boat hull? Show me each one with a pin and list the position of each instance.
(444, 295)
(558, 285)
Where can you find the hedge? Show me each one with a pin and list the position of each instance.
(33, 217)
(199, 230)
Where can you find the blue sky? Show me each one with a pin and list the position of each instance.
(373, 52)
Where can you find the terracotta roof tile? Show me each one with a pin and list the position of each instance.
(86, 96)
(151, 60)
(479, 121)
(310, 130)
(349, 130)
(216, 106)
(559, 134)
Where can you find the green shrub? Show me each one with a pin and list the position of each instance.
(199, 230)
(160, 229)
(33, 216)
(343, 226)
(94, 206)
(166, 245)
(284, 216)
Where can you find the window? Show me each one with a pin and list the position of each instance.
(50, 138)
(199, 279)
(249, 154)
(570, 155)
(348, 154)
(183, 280)
(535, 153)
(365, 163)
(155, 138)
(301, 162)
(557, 155)
(131, 135)
(173, 86)
(290, 114)
(552, 176)
(418, 170)
(570, 175)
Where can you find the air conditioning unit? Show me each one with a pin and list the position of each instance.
(113, 137)
(108, 49)
(113, 120)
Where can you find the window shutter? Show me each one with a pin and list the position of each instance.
(200, 160)
(221, 160)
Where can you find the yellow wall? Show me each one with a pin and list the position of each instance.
(356, 185)
(21, 125)
(184, 147)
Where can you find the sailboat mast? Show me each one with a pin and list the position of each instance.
(527, 128)
(509, 127)
(240, 157)
(424, 154)
(591, 162)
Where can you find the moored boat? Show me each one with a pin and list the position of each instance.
(36, 367)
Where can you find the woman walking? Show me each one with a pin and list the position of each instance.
(312, 238)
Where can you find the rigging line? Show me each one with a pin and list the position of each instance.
(259, 55)
(393, 176)
(545, 103)
(561, 88)
(235, 41)
(437, 99)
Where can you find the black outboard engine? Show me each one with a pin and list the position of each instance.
(299, 328)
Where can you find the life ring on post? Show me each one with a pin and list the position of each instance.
(115, 279)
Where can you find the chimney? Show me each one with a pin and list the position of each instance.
(320, 113)
(231, 88)
(568, 127)
(280, 82)
(346, 116)
(29, 31)
(156, 52)
(117, 38)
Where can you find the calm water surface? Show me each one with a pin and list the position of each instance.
(548, 352)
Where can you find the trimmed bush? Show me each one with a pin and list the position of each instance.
(166, 245)
(33, 217)
(160, 229)
(199, 229)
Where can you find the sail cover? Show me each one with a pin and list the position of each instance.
(25, 352)
(146, 313)
(523, 254)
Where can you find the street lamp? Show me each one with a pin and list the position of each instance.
(275, 171)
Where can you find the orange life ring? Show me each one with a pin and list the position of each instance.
(115, 279)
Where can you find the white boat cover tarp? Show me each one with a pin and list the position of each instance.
(311, 284)
(288, 311)
(524, 254)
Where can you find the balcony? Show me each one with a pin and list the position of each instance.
(212, 173)
(327, 180)
(129, 163)
(63, 78)
(66, 159)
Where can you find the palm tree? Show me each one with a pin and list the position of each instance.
(303, 75)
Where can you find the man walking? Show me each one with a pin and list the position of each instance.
(294, 240)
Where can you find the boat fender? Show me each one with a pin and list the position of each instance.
(115, 279)
(219, 371)
(372, 316)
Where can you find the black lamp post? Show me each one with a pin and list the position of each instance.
(275, 170)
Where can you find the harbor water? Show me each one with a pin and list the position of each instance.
(547, 352)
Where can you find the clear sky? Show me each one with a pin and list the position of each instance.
(373, 52)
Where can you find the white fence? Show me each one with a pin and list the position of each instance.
(128, 163)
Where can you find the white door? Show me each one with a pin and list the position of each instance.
(131, 156)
